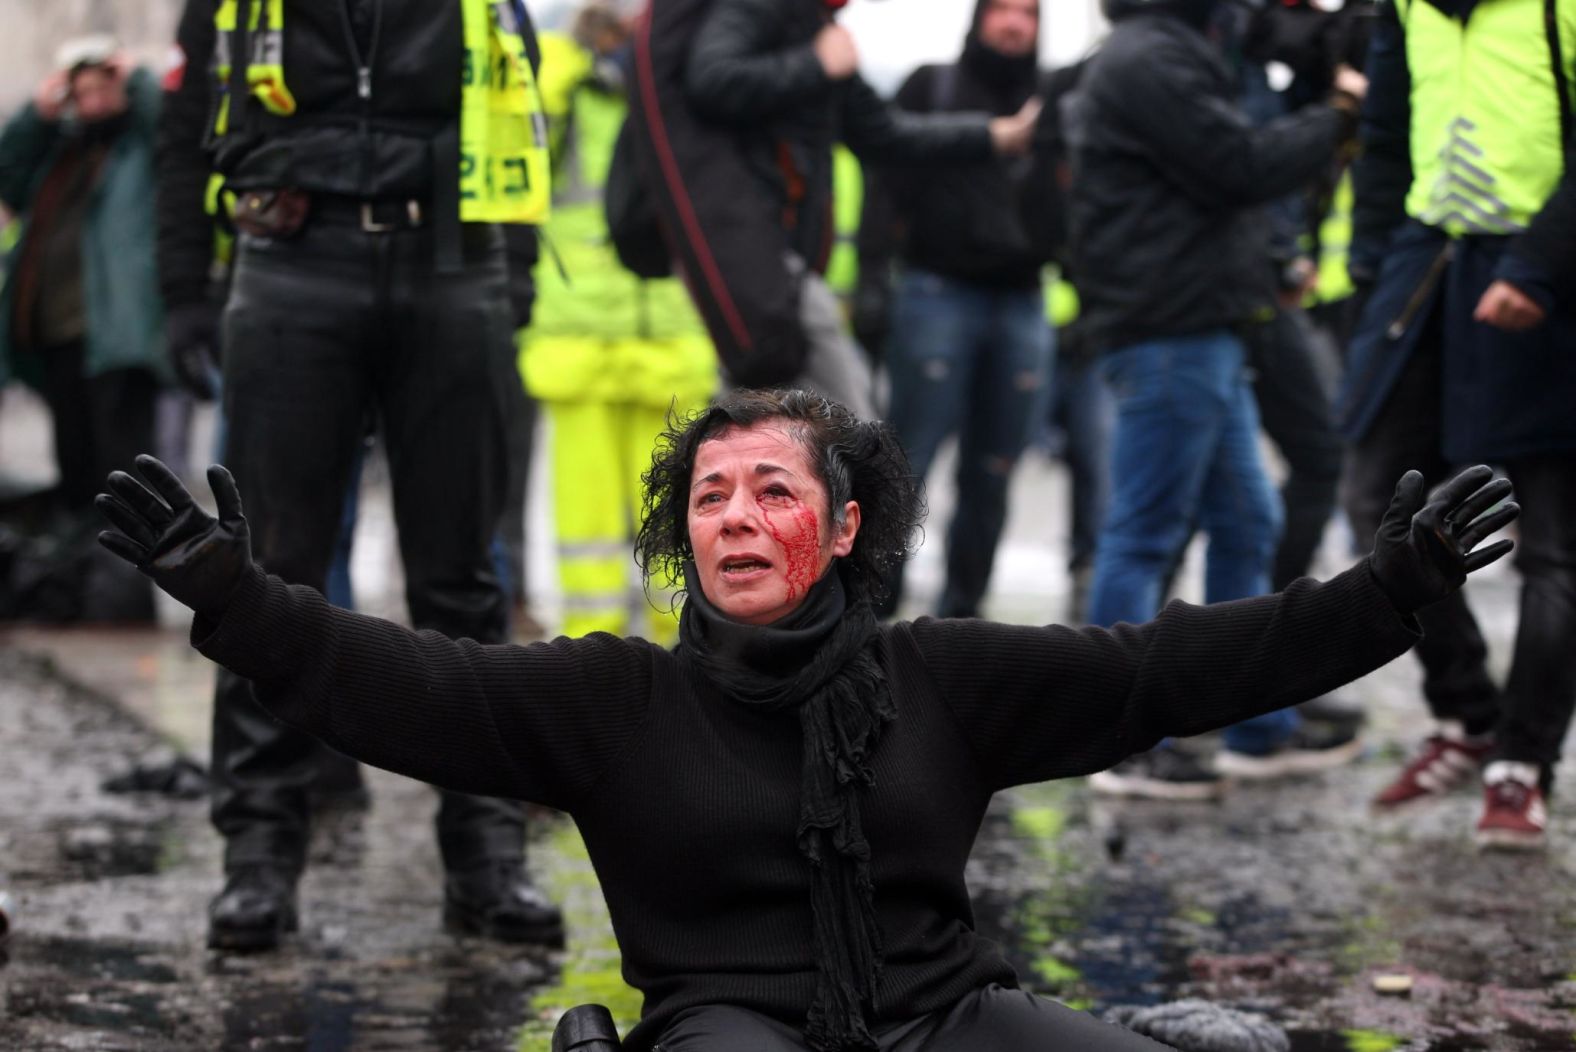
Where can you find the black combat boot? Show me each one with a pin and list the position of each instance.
(496, 899)
(255, 909)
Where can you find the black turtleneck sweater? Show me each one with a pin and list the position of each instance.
(688, 801)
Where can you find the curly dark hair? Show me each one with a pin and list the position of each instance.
(856, 460)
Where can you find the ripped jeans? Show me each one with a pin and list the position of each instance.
(972, 360)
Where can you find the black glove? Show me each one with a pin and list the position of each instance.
(192, 332)
(1423, 552)
(161, 531)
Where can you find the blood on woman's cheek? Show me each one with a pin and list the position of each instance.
(800, 538)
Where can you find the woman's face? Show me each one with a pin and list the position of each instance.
(759, 523)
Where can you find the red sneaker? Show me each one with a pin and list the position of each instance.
(1447, 759)
(1513, 813)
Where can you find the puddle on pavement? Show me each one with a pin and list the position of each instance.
(1090, 920)
(462, 997)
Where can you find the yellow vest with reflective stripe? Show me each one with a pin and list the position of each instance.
(504, 168)
(1487, 148)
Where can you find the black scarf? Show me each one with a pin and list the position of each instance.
(819, 660)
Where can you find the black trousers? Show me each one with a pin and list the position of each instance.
(100, 422)
(993, 1018)
(319, 329)
(1534, 711)
(1293, 389)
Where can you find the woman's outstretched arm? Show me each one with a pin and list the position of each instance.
(539, 722)
(1041, 703)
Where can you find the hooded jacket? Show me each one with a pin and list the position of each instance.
(996, 223)
(1167, 173)
(123, 314)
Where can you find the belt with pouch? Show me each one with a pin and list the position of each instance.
(281, 213)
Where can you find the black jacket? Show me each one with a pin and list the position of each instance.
(752, 68)
(996, 223)
(334, 143)
(1167, 170)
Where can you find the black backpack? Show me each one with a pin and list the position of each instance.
(632, 222)
(723, 233)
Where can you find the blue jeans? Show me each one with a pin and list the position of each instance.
(974, 360)
(1187, 452)
(1083, 413)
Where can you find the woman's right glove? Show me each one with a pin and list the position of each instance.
(159, 529)
(1423, 551)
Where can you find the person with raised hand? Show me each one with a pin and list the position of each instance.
(780, 809)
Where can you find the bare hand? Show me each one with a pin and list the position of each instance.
(834, 47)
(1014, 135)
(53, 92)
(1350, 82)
(1504, 306)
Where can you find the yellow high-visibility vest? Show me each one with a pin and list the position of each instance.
(504, 168)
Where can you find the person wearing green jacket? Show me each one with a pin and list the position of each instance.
(608, 355)
(80, 315)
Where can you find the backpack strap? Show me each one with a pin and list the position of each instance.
(1551, 25)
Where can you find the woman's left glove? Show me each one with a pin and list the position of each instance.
(1424, 551)
(159, 529)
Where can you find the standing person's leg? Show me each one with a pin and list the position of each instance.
(590, 515)
(936, 333)
(1006, 396)
(834, 365)
(64, 388)
(1087, 417)
(445, 368)
(1171, 412)
(294, 390)
(511, 531)
(1241, 513)
(1294, 405)
(1456, 684)
(1541, 691)
(123, 410)
(1172, 408)
(339, 784)
(118, 421)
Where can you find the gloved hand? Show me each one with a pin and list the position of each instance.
(161, 531)
(1423, 551)
(192, 332)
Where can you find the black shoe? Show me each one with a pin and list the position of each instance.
(1160, 774)
(1311, 749)
(496, 900)
(256, 908)
(1335, 711)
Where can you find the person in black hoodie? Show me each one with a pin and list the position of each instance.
(970, 346)
(1168, 245)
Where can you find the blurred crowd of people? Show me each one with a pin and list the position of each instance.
(1344, 228)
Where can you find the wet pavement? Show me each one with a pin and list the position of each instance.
(1289, 900)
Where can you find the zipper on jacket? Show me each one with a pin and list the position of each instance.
(1421, 294)
(363, 77)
